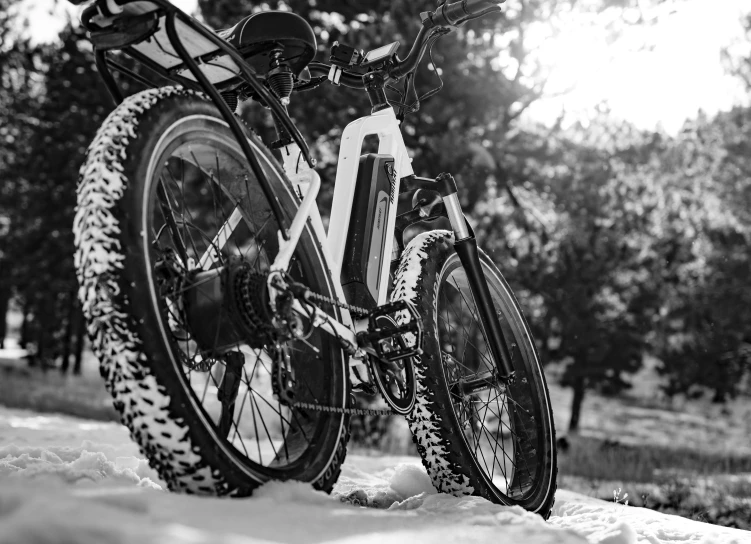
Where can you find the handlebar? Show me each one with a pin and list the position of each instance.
(446, 16)
(460, 12)
(348, 79)
(413, 58)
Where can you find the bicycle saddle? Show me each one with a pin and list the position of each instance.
(257, 34)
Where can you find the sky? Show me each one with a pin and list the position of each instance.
(655, 75)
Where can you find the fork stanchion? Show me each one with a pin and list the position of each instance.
(465, 246)
(489, 319)
(229, 117)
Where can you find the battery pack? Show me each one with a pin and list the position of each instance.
(363, 259)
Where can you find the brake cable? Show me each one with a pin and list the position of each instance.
(437, 73)
(432, 39)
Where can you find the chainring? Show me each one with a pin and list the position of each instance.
(395, 379)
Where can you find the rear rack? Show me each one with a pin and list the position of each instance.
(182, 50)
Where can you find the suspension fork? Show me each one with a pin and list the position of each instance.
(465, 245)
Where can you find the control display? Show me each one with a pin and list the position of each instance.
(382, 53)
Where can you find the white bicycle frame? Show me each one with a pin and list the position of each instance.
(385, 126)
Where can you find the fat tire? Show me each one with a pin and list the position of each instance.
(449, 462)
(145, 385)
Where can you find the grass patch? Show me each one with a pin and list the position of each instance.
(610, 460)
(709, 500)
(51, 392)
(700, 485)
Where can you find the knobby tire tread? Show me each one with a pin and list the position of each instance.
(431, 422)
(159, 418)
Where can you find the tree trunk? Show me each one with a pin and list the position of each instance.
(46, 345)
(68, 335)
(41, 341)
(4, 303)
(576, 404)
(80, 339)
(24, 340)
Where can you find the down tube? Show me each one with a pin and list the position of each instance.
(384, 125)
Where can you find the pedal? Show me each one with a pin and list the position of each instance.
(390, 341)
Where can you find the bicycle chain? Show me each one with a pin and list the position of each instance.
(359, 312)
(347, 411)
(356, 310)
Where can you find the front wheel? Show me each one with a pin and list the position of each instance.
(476, 436)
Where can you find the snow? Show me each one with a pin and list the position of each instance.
(65, 480)
(12, 354)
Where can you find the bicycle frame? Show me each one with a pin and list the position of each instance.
(385, 126)
(205, 47)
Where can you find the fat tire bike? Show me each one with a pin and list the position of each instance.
(232, 329)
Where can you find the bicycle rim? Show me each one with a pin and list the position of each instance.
(219, 210)
(500, 426)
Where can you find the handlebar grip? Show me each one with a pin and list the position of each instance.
(459, 12)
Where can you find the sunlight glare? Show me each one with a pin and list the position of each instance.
(651, 75)
(48, 17)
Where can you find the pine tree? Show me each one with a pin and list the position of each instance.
(62, 114)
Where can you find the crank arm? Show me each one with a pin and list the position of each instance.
(303, 306)
(328, 324)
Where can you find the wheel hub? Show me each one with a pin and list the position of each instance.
(228, 306)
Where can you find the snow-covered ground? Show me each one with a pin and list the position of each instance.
(65, 480)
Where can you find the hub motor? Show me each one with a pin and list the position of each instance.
(229, 306)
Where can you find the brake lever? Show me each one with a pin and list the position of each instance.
(312, 84)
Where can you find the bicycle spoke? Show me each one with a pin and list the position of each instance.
(263, 423)
(213, 216)
(466, 334)
(255, 426)
(211, 256)
(169, 218)
(500, 445)
(236, 422)
(181, 186)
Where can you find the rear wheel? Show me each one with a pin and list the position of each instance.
(169, 214)
(476, 435)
